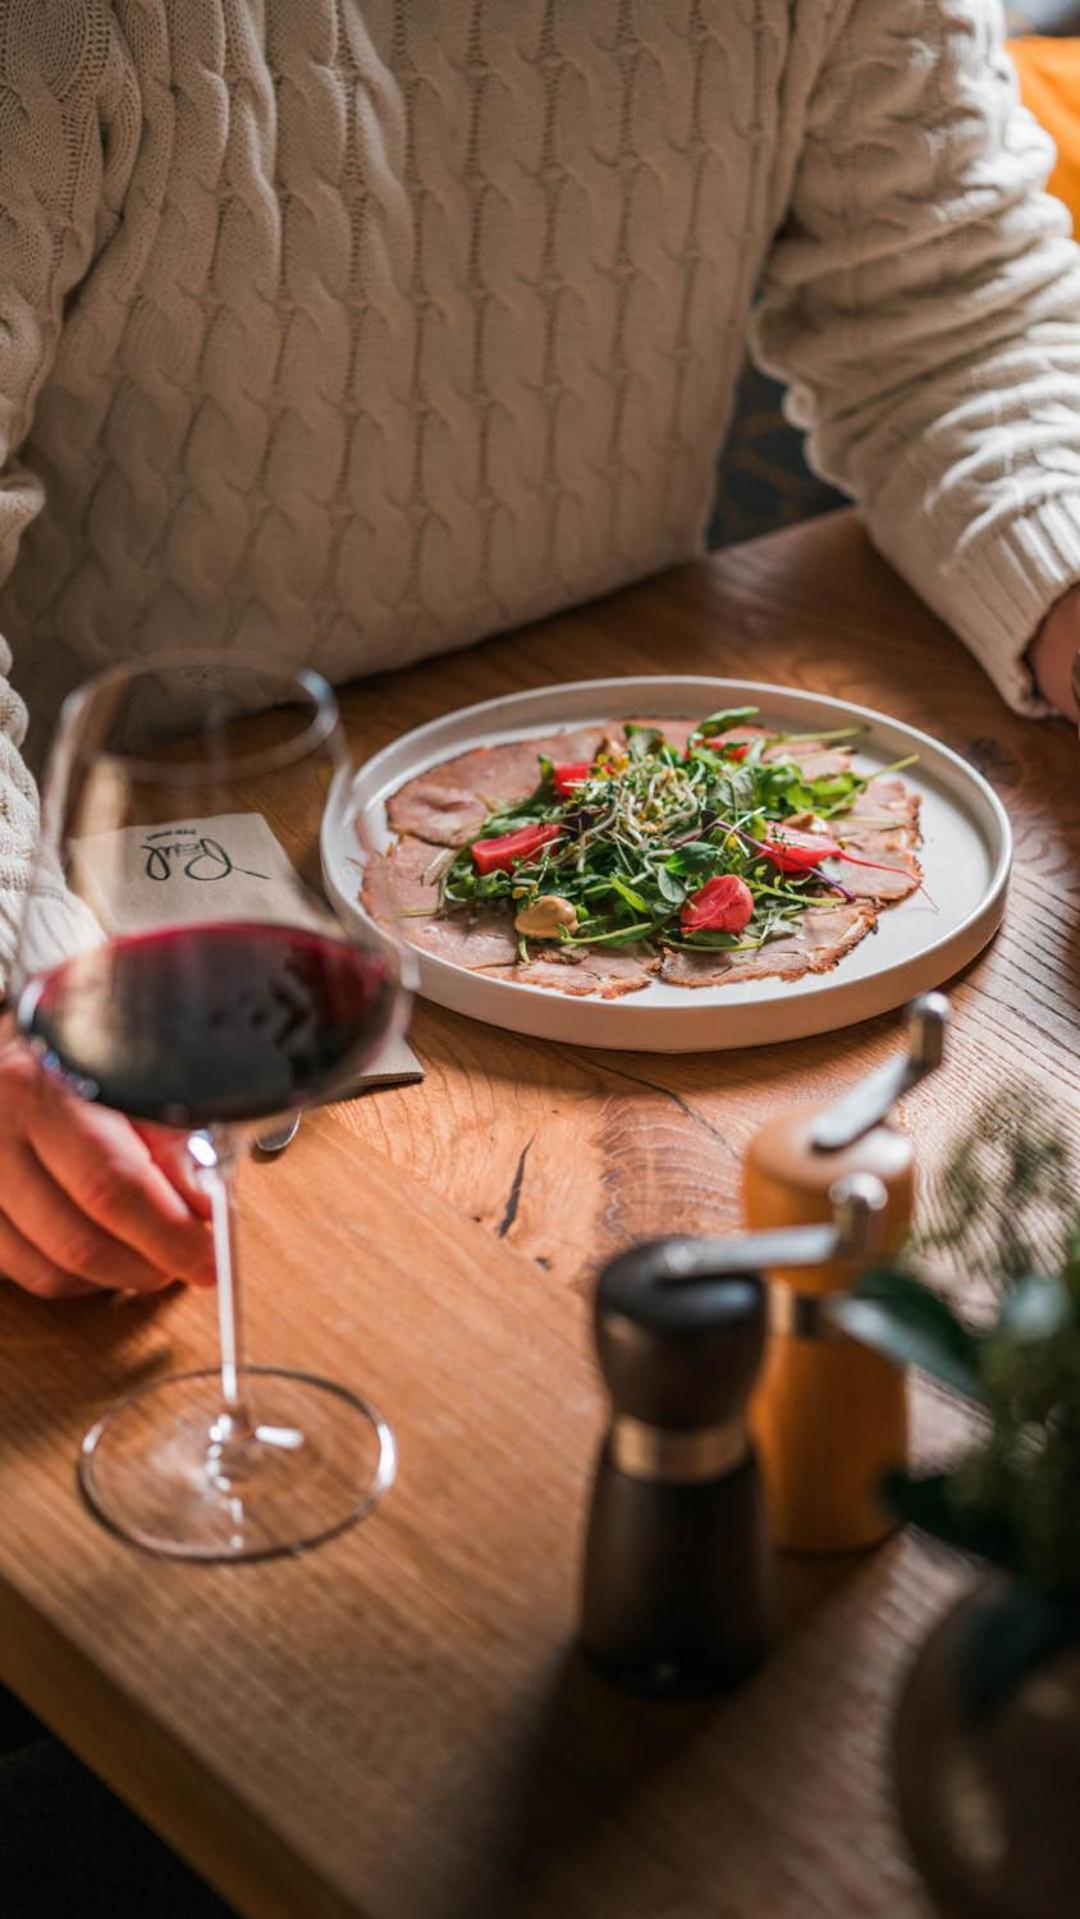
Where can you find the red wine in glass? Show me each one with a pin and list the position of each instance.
(200, 1025)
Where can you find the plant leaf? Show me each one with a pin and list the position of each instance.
(1036, 1307)
(671, 888)
(926, 1502)
(910, 1323)
(642, 740)
(698, 858)
(1009, 1632)
(627, 893)
(721, 722)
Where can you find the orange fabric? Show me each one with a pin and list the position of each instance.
(1049, 72)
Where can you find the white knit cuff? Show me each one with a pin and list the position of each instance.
(9, 928)
(55, 926)
(997, 596)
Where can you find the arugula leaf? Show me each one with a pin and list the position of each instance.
(671, 887)
(627, 893)
(642, 741)
(737, 789)
(723, 722)
(699, 858)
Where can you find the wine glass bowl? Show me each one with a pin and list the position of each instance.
(178, 962)
(271, 1017)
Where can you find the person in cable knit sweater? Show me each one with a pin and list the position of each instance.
(354, 330)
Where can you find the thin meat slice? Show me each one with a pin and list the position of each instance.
(436, 812)
(886, 805)
(676, 732)
(893, 876)
(449, 804)
(887, 791)
(816, 761)
(402, 883)
(824, 763)
(608, 975)
(415, 868)
(476, 938)
(871, 839)
(571, 745)
(824, 936)
(883, 826)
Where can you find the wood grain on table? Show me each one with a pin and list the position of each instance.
(397, 1725)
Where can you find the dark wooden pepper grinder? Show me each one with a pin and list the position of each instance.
(676, 1587)
(676, 1583)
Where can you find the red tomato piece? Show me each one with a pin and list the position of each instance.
(734, 745)
(570, 774)
(795, 852)
(722, 905)
(507, 850)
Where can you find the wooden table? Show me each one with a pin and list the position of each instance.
(397, 1726)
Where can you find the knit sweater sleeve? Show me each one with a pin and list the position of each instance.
(57, 72)
(923, 303)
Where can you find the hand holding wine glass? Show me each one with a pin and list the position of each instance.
(206, 992)
(87, 1201)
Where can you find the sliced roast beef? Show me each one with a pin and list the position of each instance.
(588, 970)
(893, 875)
(449, 804)
(814, 762)
(885, 806)
(415, 868)
(825, 935)
(882, 826)
(476, 940)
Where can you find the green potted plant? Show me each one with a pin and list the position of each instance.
(987, 1746)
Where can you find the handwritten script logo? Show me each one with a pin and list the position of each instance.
(179, 849)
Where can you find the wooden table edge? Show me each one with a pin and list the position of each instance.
(238, 1853)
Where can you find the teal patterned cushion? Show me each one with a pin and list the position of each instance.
(762, 479)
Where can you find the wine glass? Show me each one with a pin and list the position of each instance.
(203, 983)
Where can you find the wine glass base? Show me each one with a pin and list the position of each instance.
(317, 1461)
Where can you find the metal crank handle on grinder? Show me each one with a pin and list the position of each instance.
(858, 1207)
(870, 1101)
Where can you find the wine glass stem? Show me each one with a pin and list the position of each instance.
(217, 1182)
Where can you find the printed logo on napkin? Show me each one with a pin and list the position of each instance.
(231, 866)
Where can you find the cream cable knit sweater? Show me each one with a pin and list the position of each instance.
(356, 329)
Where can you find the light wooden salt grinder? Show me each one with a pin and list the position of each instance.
(830, 1416)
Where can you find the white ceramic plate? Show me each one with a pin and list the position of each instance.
(966, 854)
